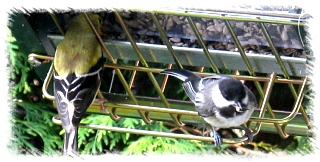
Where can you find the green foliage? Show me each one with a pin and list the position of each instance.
(97, 141)
(36, 123)
(264, 146)
(300, 145)
(19, 68)
(31, 116)
(163, 145)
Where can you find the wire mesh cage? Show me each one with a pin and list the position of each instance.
(263, 48)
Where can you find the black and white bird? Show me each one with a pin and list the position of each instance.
(222, 101)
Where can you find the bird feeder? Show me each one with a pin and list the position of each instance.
(264, 47)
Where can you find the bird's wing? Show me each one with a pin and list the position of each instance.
(190, 81)
(190, 90)
(182, 74)
(76, 93)
(195, 87)
(203, 101)
(208, 79)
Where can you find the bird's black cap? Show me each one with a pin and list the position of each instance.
(232, 89)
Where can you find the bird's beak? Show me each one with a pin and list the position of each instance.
(238, 106)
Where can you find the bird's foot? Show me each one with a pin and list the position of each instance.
(101, 102)
(217, 138)
(249, 134)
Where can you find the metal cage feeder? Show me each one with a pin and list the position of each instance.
(276, 69)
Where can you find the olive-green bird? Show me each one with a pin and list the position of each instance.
(78, 65)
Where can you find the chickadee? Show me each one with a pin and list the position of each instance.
(221, 100)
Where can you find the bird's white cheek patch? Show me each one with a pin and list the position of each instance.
(218, 99)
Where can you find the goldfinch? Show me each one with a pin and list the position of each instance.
(78, 65)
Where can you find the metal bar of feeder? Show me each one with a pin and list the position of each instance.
(292, 114)
(170, 49)
(153, 133)
(125, 84)
(239, 77)
(205, 49)
(265, 100)
(126, 108)
(156, 70)
(196, 57)
(145, 64)
(165, 40)
(225, 16)
(283, 68)
(252, 73)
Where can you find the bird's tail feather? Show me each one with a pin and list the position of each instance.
(70, 143)
(181, 74)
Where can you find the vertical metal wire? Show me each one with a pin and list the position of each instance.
(284, 70)
(133, 75)
(202, 43)
(173, 53)
(252, 73)
(46, 84)
(145, 64)
(55, 19)
(297, 103)
(265, 100)
(165, 40)
(118, 72)
(165, 79)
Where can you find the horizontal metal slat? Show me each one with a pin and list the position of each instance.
(156, 111)
(196, 57)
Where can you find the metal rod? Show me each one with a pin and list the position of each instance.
(165, 40)
(223, 16)
(119, 74)
(240, 77)
(165, 79)
(292, 114)
(241, 51)
(283, 68)
(55, 19)
(252, 73)
(156, 70)
(56, 120)
(46, 84)
(157, 109)
(202, 43)
(133, 75)
(265, 100)
(298, 102)
(145, 64)
(126, 108)
(274, 50)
